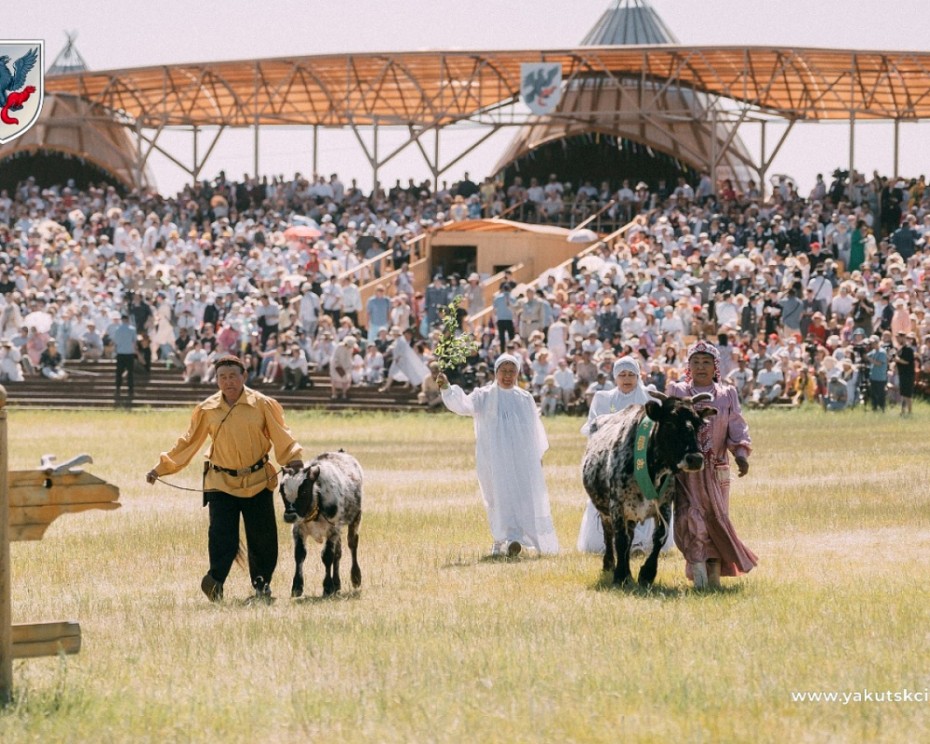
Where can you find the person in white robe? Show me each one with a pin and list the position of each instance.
(163, 336)
(374, 365)
(340, 368)
(630, 391)
(406, 364)
(510, 442)
(11, 369)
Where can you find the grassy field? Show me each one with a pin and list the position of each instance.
(444, 644)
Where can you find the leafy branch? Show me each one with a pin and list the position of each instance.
(454, 347)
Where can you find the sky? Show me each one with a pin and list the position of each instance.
(114, 35)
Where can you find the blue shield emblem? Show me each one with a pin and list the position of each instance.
(541, 86)
(22, 86)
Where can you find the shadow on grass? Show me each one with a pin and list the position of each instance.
(604, 583)
(346, 595)
(492, 559)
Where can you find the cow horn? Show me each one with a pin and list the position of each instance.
(661, 397)
(701, 397)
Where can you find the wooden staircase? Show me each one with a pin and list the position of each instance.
(92, 385)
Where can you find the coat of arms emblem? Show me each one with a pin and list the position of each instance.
(541, 86)
(22, 86)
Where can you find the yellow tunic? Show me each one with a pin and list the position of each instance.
(241, 434)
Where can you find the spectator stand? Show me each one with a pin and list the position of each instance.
(379, 271)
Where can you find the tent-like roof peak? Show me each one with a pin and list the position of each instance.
(629, 22)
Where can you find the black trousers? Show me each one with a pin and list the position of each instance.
(267, 331)
(505, 333)
(877, 393)
(261, 534)
(125, 364)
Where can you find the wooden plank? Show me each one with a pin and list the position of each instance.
(28, 489)
(38, 496)
(38, 477)
(46, 639)
(27, 532)
(24, 515)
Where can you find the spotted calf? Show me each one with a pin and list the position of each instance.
(319, 500)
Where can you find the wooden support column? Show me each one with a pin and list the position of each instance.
(852, 143)
(316, 147)
(6, 617)
(30, 501)
(897, 146)
(255, 152)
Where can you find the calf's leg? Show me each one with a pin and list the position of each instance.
(300, 553)
(337, 556)
(353, 548)
(329, 552)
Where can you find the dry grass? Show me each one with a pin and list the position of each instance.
(443, 644)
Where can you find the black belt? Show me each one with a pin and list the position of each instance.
(243, 471)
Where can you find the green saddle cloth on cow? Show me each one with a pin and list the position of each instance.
(640, 462)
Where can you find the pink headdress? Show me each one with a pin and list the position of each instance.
(704, 347)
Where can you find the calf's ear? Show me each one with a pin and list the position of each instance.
(313, 472)
(706, 413)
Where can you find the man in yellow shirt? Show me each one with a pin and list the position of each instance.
(243, 426)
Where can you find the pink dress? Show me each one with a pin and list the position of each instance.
(703, 530)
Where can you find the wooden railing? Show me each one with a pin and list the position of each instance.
(482, 318)
(489, 288)
(372, 267)
(376, 267)
(525, 211)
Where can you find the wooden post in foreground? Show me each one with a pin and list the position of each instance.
(30, 500)
(6, 617)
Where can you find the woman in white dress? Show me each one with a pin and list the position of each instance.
(557, 339)
(340, 368)
(630, 391)
(406, 365)
(510, 443)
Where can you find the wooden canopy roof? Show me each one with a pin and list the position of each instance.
(436, 88)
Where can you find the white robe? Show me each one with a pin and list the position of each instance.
(406, 365)
(510, 443)
(164, 330)
(341, 358)
(591, 534)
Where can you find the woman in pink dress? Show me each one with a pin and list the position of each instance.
(703, 531)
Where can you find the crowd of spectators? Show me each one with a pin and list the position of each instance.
(817, 298)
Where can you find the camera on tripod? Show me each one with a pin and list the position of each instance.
(861, 352)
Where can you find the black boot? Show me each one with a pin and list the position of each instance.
(212, 588)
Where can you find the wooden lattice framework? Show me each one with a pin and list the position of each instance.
(426, 91)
